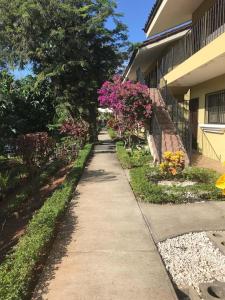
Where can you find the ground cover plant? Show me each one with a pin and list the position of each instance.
(112, 133)
(131, 158)
(145, 183)
(169, 182)
(17, 271)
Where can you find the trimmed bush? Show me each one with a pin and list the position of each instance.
(16, 272)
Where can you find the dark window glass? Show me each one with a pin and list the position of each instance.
(215, 108)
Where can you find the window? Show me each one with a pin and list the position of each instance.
(215, 108)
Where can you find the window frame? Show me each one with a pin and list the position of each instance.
(207, 108)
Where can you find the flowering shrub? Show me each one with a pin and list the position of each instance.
(130, 102)
(173, 163)
(77, 129)
(113, 123)
(34, 148)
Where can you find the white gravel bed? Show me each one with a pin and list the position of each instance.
(176, 183)
(192, 259)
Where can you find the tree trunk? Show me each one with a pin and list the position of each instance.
(93, 132)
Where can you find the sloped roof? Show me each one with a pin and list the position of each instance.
(156, 39)
(152, 14)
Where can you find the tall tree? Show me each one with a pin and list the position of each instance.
(24, 107)
(68, 44)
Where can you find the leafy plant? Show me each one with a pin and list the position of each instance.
(149, 191)
(131, 159)
(17, 271)
(173, 163)
(4, 184)
(77, 129)
(130, 102)
(34, 149)
(200, 175)
(112, 133)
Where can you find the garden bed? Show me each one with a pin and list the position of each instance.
(152, 185)
(17, 271)
(193, 260)
(19, 207)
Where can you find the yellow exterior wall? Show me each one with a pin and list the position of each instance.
(216, 139)
(207, 54)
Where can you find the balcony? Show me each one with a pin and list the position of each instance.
(206, 31)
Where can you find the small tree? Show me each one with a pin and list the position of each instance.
(130, 102)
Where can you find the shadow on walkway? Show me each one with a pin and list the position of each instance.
(60, 250)
(99, 176)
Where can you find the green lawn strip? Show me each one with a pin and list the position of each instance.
(16, 272)
(132, 159)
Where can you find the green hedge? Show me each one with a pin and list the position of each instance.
(16, 272)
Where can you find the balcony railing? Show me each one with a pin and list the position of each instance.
(210, 26)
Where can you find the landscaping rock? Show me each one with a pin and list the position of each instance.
(176, 183)
(192, 259)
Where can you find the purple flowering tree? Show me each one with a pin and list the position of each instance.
(130, 102)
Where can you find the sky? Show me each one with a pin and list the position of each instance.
(135, 15)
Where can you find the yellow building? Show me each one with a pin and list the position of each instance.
(183, 63)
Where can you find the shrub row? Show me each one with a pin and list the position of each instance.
(17, 270)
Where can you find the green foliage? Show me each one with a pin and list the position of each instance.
(144, 181)
(4, 183)
(145, 189)
(200, 175)
(24, 107)
(145, 178)
(41, 178)
(11, 173)
(68, 44)
(112, 133)
(133, 158)
(16, 273)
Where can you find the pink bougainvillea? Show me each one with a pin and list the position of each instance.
(130, 101)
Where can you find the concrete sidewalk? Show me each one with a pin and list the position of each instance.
(104, 250)
(167, 221)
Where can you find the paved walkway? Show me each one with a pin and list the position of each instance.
(184, 218)
(104, 250)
